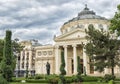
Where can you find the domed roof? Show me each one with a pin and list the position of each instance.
(86, 14)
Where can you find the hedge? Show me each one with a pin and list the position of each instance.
(36, 81)
(90, 78)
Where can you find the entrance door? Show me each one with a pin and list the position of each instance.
(72, 65)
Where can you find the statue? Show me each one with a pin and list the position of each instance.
(48, 68)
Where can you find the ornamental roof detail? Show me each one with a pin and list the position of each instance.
(75, 34)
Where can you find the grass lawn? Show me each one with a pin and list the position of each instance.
(27, 83)
(72, 83)
(98, 83)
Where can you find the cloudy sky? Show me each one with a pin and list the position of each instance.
(42, 19)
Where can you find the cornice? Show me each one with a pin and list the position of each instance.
(45, 58)
(84, 21)
(73, 39)
(44, 47)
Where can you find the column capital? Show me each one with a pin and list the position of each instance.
(74, 45)
(56, 46)
(65, 46)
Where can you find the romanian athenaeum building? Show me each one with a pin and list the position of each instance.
(71, 41)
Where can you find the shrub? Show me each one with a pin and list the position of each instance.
(3, 80)
(68, 80)
(19, 79)
(111, 82)
(76, 78)
(36, 81)
(53, 79)
(90, 78)
(108, 77)
(38, 76)
(62, 79)
(31, 77)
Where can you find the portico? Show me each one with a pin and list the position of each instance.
(70, 55)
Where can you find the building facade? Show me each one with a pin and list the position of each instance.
(72, 41)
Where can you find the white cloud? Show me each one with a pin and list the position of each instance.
(41, 19)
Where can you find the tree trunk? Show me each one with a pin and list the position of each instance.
(112, 70)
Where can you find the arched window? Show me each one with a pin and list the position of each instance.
(39, 53)
(44, 53)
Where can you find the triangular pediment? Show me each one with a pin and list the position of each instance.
(75, 34)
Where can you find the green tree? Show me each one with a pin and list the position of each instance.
(115, 22)
(16, 48)
(62, 69)
(78, 70)
(102, 49)
(1, 49)
(7, 61)
(78, 66)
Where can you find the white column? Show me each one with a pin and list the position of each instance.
(75, 58)
(85, 60)
(56, 60)
(21, 56)
(65, 54)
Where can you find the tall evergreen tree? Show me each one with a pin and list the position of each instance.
(102, 49)
(115, 22)
(7, 61)
(62, 69)
(1, 49)
(78, 66)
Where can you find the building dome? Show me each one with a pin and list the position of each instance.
(86, 14)
(84, 18)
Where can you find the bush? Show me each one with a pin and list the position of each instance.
(62, 79)
(36, 81)
(117, 79)
(90, 78)
(68, 80)
(111, 82)
(19, 79)
(53, 79)
(76, 78)
(108, 77)
(38, 76)
(31, 77)
(3, 80)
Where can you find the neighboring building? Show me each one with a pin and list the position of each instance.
(26, 59)
(71, 41)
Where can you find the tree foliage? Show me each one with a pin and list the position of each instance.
(102, 49)
(16, 48)
(62, 67)
(3, 80)
(1, 48)
(78, 66)
(115, 21)
(7, 61)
